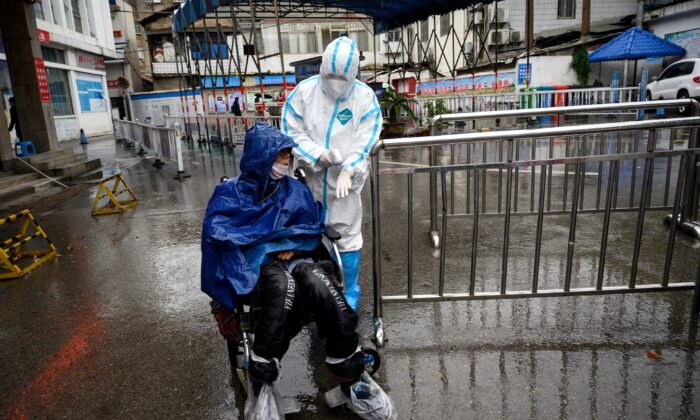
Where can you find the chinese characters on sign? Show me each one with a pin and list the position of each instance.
(43, 81)
(524, 70)
(89, 61)
(505, 82)
(44, 36)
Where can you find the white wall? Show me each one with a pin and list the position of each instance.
(545, 12)
(550, 70)
(62, 32)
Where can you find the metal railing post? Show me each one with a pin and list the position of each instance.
(689, 211)
(506, 226)
(695, 311)
(643, 202)
(432, 154)
(376, 252)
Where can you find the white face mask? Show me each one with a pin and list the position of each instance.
(279, 171)
(334, 88)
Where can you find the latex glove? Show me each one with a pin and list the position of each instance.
(330, 158)
(325, 160)
(343, 184)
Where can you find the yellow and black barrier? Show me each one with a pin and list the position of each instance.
(16, 250)
(107, 199)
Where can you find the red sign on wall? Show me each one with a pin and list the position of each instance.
(44, 93)
(112, 84)
(117, 34)
(44, 36)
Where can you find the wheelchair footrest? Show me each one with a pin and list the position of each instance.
(335, 397)
(290, 405)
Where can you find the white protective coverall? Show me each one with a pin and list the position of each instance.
(333, 111)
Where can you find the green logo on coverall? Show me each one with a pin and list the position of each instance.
(344, 116)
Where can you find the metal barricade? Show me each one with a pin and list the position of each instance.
(219, 129)
(509, 174)
(527, 100)
(565, 151)
(162, 141)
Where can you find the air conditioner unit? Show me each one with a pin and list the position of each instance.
(515, 36)
(499, 38)
(478, 18)
(502, 15)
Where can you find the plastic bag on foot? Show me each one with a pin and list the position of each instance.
(369, 401)
(266, 406)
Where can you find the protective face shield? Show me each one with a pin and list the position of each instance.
(339, 67)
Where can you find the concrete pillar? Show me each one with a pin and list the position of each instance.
(6, 152)
(19, 34)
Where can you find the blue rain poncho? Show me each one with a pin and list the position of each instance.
(248, 219)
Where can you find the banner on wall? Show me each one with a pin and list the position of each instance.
(90, 92)
(42, 79)
(217, 103)
(690, 40)
(477, 85)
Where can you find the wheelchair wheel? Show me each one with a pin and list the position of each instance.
(372, 360)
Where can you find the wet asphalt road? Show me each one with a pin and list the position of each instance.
(117, 326)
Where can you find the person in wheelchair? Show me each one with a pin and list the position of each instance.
(260, 241)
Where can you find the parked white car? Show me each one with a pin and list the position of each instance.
(680, 80)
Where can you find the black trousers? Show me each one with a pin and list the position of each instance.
(285, 301)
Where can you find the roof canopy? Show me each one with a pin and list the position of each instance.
(634, 44)
(387, 14)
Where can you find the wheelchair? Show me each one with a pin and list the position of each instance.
(239, 355)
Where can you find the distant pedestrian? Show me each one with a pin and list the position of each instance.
(459, 125)
(259, 106)
(236, 108)
(14, 119)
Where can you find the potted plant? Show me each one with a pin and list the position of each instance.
(437, 108)
(394, 103)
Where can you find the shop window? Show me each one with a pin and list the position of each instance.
(424, 30)
(445, 24)
(53, 55)
(77, 20)
(39, 10)
(566, 9)
(60, 92)
(362, 40)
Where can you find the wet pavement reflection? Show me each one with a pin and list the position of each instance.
(116, 327)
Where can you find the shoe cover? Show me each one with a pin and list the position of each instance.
(369, 401)
(267, 406)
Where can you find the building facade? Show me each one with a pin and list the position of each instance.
(76, 39)
(130, 71)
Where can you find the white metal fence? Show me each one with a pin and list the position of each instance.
(163, 141)
(219, 129)
(534, 98)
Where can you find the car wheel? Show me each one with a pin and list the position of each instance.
(683, 110)
(649, 98)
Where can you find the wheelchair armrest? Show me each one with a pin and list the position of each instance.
(332, 234)
(300, 174)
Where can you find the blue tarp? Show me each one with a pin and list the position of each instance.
(387, 14)
(250, 218)
(635, 44)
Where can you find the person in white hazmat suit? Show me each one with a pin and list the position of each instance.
(335, 119)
